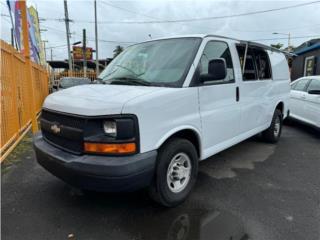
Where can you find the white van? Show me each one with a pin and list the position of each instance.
(163, 106)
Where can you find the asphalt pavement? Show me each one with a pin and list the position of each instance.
(253, 190)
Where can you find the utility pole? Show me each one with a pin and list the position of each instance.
(289, 38)
(45, 49)
(67, 20)
(12, 38)
(51, 54)
(84, 48)
(96, 36)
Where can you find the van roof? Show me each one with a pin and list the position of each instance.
(229, 38)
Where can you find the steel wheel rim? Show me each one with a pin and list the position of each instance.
(179, 172)
(277, 126)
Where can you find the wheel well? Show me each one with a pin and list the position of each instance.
(280, 106)
(190, 135)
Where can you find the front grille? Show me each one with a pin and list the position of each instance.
(66, 120)
(64, 143)
(70, 135)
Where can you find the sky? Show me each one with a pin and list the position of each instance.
(116, 28)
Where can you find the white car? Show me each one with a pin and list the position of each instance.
(305, 100)
(160, 108)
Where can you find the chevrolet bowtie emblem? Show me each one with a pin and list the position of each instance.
(55, 129)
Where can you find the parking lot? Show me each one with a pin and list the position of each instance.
(253, 190)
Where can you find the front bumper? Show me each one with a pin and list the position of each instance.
(93, 172)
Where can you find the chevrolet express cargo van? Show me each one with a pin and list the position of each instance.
(158, 109)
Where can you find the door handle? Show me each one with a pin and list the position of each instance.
(237, 94)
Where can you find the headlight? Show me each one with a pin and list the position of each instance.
(118, 135)
(110, 128)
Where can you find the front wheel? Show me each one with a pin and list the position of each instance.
(176, 172)
(272, 134)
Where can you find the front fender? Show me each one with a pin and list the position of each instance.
(173, 131)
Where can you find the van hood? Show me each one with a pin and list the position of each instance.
(94, 100)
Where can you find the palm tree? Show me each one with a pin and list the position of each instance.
(117, 50)
(278, 45)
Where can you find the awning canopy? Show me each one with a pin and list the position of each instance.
(308, 49)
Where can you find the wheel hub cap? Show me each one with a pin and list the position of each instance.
(178, 173)
(277, 127)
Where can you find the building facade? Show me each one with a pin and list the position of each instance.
(307, 60)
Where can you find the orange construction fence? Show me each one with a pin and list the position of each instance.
(16, 96)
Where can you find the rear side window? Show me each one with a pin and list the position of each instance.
(249, 70)
(300, 85)
(257, 64)
(314, 85)
(262, 63)
(214, 50)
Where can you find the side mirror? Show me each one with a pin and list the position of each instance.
(314, 92)
(217, 70)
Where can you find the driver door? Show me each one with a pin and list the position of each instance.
(219, 105)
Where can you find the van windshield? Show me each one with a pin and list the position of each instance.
(155, 63)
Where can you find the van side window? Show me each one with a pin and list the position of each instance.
(301, 85)
(249, 70)
(262, 63)
(257, 63)
(214, 50)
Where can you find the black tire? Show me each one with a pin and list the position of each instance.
(159, 190)
(271, 135)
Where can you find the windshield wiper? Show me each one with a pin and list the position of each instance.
(129, 80)
(100, 81)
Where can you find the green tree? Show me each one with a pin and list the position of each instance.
(117, 50)
(278, 45)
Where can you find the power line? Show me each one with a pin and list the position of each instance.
(281, 38)
(126, 10)
(4, 15)
(110, 41)
(6, 19)
(277, 29)
(58, 46)
(212, 18)
(90, 39)
(191, 19)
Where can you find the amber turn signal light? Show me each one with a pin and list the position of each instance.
(113, 148)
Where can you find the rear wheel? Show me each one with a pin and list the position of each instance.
(272, 134)
(176, 172)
